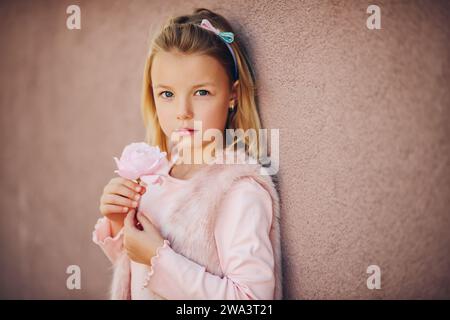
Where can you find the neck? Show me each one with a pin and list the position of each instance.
(181, 169)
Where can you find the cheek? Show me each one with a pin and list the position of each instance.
(212, 116)
(167, 119)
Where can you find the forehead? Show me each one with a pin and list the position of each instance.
(175, 68)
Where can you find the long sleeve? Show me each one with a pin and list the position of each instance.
(245, 253)
(112, 247)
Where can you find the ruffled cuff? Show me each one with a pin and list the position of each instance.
(102, 232)
(102, 237)
(155, 260)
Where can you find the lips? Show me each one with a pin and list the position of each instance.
(185, 131)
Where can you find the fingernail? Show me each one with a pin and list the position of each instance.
(138, 189)
(125, 209)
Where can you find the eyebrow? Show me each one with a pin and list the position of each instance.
(205, 84)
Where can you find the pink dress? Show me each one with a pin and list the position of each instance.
(242, 239)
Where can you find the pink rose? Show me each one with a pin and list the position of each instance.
(140, 161)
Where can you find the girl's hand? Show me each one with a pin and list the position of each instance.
(119, 196)
(141, 245)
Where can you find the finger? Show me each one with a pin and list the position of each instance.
(143, 190)
(118, 201)
(145, 222)
(129, 219)
(110, 208)
(122, 190)
(128, 183)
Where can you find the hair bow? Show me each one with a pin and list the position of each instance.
(228, 37)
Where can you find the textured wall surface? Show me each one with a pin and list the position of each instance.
(364, 128)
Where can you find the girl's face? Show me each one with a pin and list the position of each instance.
(188, 88)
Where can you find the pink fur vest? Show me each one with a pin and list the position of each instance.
(190, 226)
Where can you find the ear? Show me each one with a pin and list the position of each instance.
(234, 92)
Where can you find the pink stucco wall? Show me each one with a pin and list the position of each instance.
(364, 129)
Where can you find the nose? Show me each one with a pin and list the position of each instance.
(184, 116)
(184, 113)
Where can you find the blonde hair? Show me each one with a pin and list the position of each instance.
(184, 34)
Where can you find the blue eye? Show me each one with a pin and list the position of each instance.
(166, 92)
(204, 91)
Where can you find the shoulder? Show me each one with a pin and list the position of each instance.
(249, 186)
(246, 202)
(241, 182)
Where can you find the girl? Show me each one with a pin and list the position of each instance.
(210, 230)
